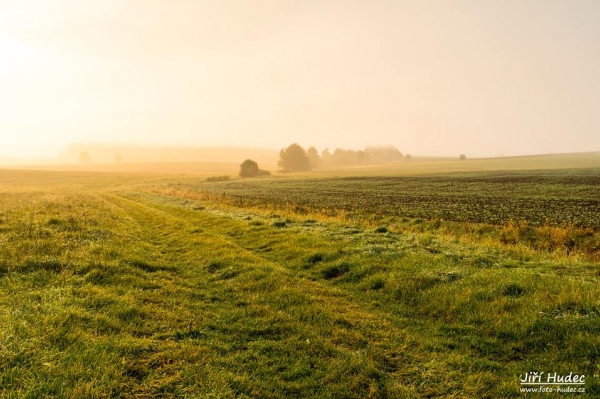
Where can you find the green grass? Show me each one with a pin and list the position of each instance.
(132, 287)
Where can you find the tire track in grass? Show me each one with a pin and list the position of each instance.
(223, 240)
(351, 336)
(173, 222)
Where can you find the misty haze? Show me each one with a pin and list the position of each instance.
(275, 199)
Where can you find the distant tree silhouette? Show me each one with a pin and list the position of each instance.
(325, 156)
(408, 157)
(118, 158)
(249, 168)
(462, 157)
(349, 157)
(313, 157)
(85, 157)
(370, 155)
(293, 159)
(383, 154)
(343, 157)
(361, 156)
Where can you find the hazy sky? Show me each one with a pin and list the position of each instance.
(431, 77)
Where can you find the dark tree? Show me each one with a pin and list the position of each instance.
(313, 157)
(408, 157)
(249, 168)
(462, 157)
(293, 159)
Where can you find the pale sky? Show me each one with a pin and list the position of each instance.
(431, 77)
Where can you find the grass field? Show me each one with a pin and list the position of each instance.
(169, 286)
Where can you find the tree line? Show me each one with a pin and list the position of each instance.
(295, 158)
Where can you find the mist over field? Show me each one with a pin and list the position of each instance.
(431, 78)
(299, 199)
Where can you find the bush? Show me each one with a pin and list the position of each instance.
(249, 168)
(218, 178)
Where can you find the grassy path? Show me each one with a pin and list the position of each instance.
(319, 338)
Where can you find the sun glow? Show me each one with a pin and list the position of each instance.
(435, 78)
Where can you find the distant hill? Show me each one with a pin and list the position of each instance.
(101, 153)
